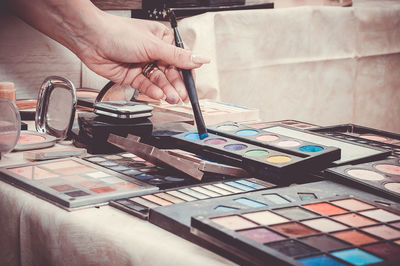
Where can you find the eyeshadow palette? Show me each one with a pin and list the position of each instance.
(350, 152)
(381, 177)
(277, 164)
(140, 206)
(135, 167)
(364, 135)
(291, 123)
(337, 231)
(213, 112)
(72, 183)
(278, 142)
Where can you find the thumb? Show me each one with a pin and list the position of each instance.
(179, 57)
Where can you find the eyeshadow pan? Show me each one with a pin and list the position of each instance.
(89, 184)
(324, 225)
(321, 260)
(373, 137)
(217, 189)
(250, 184)
(206, 191)
(278, 159)
(235, 147)
(76, 194)
(247, 132)
(354, 237)
(311, 148)
(107, 163)
(395, 187)
(239, 186)
(261, 235)
(365, 174)
(128, 155)
(306, 196)
(275, 198)
(384, 250)
(193, 193)
(229, 188)
(356, 256)
(97, 174)
(113, 157)
(144, 202)
(288, 143)
(227, 127)
(112, 180)
(96, 159)
(216, 141)
(181, 195)
(353, 220)
(324, 208)
(267, 137)
(62, 164)
(265, 217)
(381, 215)
(233, 222)
(324, 242)
(293, 229)
(169, 197)
(295, 213)
(126, 186)
(174, 179)
(383, 231)
(32, 172)
(388, 168)
(397, 224)
(256, 153)
(249, 202)
(292, 248)
(63, 187)
(102, 189)
(192, 136)
(156, 200)
(353, 204)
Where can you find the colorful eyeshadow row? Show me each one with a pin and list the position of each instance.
(141, 205)
(258, 160)
(73, 182)
(330, 232)
(275, 141)
(382, 176)
(133, 166)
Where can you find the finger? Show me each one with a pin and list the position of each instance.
(176, 56)
(175, 78)
(159, 78)
(145, 86)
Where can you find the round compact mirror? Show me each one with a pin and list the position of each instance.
(10, 125)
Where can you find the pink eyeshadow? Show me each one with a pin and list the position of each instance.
(126, 186)
(102, 189)
(233, 222)
(75, 170)
(29, 138)
(89, 184)
(32, 172)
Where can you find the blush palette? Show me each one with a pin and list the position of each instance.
(364, 135)
(271, 162)
(135, 167)
(140, 206)
(382, 177)
(337, 231)
(72, 183)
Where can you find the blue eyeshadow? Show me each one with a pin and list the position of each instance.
(250, 184)
(321, 260)
(247, 132)
(250, 203)
(356, 256)
(310, 148)
(239, 186)
(192, 136)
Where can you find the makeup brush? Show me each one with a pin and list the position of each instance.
(189, 82)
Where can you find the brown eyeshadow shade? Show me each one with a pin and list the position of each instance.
(324, 242)
(169, 197)
(384, 250)
(354, 237)
(388, 168)
(63, 187)
(78, 193)
(324, 208)
(293, 229)
(157, 200)
(102, 189)
(261, 235)
(354, 220)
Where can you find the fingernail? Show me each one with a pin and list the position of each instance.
(199, 59)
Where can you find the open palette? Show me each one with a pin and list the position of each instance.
(140, 206)
(364, 135)
(72, 183)
(288, 122)
(272, 161)
(381, 177)
(135, 167)
(338, 231)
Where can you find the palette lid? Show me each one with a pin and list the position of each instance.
(10, 125)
